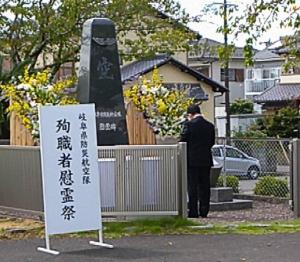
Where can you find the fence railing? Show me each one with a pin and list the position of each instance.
(134, 180)
(263, 166)
(258, 86)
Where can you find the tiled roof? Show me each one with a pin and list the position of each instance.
(209, 49)
(266, 55)
(136, 69)
(279, 93)
(285, 50)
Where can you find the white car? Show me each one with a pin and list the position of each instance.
(236, 162)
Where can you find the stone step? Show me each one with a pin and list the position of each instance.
(235, 204)
(221, 194)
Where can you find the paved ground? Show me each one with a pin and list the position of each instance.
(187, 248)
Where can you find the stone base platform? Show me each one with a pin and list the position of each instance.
(222, 200)
(235, 204)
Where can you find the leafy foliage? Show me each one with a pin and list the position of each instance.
(241, 106)
(259, 17)
(231, 181)
(228, 14)
(31, 91)
(49, 31)
(272, 186)
(283, 124)
(163, 108)
(249, 134)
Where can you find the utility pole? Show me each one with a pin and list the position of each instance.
(226, 75)
(226, 67)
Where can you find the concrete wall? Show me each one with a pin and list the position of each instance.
(237, 123)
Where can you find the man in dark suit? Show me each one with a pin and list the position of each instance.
(199, 134)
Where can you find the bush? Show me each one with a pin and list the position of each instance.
(272, 186)
(231, 181)
(241, 106)
(283, 124)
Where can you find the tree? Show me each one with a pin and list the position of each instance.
(241, 106)
(283, 124)
(31, 30)
(225, 51)
(259, 16)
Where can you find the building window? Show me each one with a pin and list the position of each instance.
(266, 73)
(234, 74)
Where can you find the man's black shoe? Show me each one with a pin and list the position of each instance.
(193, 216)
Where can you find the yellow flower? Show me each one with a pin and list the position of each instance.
(161, 106)
(34, 90)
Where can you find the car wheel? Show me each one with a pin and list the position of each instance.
(253, 172)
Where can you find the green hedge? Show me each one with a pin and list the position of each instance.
(272, 186)
(231, 181)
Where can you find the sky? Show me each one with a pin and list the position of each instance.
(208, 29)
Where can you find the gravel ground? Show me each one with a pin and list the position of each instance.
(261, 211)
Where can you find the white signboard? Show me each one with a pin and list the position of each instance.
(70, 169)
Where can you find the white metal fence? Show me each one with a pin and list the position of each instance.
(134, 180)
(139, 180)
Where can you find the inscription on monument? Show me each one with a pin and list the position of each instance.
(100, 80)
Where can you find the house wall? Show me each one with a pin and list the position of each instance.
(290, 79)
(236, 88)
(181, 56)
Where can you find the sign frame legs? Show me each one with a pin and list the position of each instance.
(100, 243)
(48, 249)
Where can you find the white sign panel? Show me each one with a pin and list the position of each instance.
(70, 169)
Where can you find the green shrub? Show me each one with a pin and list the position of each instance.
(241, 106)
(231, 181)
(272, 186)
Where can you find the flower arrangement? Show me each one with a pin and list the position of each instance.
(163, 108)
(31, 91)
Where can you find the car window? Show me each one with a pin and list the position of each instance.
(230, 152)
(216, 152)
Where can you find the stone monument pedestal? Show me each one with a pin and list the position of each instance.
(221, 194)
(221, 199)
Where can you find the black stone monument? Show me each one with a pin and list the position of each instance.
(100, 80)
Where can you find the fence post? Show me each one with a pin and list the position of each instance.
(119, 176)
(296, 177)
(182, 179)
(224, 163)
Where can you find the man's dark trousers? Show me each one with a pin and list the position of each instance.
(199, 188)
